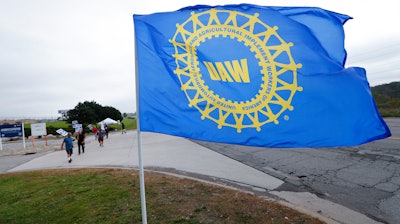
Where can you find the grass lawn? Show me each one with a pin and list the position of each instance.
(56, 124)
(130, 123)
(113, 196)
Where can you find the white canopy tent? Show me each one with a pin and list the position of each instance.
(108, 121)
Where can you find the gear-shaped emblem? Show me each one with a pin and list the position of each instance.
(278, 70)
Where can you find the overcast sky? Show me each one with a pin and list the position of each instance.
(56, 53)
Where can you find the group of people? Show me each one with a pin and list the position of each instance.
(69, 144)
(68, 141)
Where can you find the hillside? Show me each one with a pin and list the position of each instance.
(387, 97)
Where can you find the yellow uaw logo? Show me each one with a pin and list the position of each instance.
(277, 73)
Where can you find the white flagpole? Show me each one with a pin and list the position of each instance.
(139, 137)
(23, 134)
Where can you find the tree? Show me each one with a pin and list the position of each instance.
(91, 113)
(112, 113)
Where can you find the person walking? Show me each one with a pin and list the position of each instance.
(95, 132)
(69, 145)
(123, 128)
(81, 141)
(100, 136)
(106, 128)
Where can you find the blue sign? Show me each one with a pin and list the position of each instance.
(11, 130)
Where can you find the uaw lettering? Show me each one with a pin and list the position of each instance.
(258, 67)
(229, 71)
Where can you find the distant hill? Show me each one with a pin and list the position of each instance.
(387, 97)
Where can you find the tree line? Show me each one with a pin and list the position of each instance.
(387, 98)
(92, 113)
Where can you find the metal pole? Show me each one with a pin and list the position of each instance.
(139, 137)
(23, 134)
(141, 176)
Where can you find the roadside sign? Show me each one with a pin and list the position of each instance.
(38, 129)
(11, 130)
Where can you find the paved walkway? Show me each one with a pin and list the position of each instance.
(181, 156)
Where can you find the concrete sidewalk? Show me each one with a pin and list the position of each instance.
(181, 156)
(158, 150)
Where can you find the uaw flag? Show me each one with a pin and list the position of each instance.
(252, 75)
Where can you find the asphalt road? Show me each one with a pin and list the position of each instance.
(364, 178)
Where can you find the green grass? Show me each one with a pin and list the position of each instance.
(56, 124)
(130, 123)
(113, 196)
(389, 112)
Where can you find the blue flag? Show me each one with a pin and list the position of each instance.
(252, 75)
